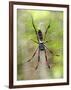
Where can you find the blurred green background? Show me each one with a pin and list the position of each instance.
(26, 47)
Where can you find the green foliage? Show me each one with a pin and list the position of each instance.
(25, 32)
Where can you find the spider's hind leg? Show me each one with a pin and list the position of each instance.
(38, 59)
(46, 59)
(32, 56)
(52, 52)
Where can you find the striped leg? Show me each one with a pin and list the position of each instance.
(32, 56)
(46, 59)
(38, 59)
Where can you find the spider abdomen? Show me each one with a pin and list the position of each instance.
(41, 46)
(40, 35)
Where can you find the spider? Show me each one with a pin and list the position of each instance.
(41, 45)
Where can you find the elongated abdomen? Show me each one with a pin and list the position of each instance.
(40, 36)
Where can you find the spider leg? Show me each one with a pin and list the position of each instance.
(46, 59)
(32, 55)
(45, 42)
(38, 59)
(51, 51)
(34, 28)
(48, 49)
(46, 31)
(34, 41)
